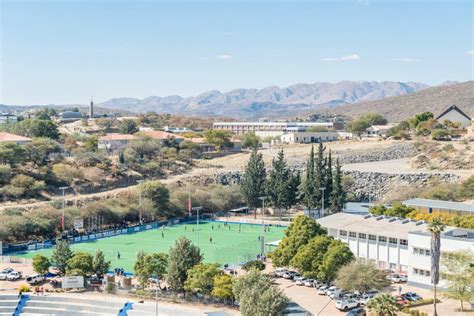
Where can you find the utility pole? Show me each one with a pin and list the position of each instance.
(140, 201)
(262, 198)
(197, 209)
(63, 207)
(322, 201)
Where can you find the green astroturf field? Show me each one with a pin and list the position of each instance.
(227, 246)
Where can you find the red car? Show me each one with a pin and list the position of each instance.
(401, 300)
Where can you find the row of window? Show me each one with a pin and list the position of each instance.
(421, 272)
(391, 240)
(420, 251)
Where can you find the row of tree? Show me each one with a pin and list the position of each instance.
(320, 185)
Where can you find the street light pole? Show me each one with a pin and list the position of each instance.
(140, 201)
(322, 201)
(263, 223)
(63, 207)
(197, 209)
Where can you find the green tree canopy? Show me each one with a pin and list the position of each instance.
(219, 138)
(150, 265)
(457, 268)
(301, 230)
(100, 266)
(384, 305)
(182, 257)
(201, 278)
(361, 276)
(257, 295)
(61, 255)
(128, 126)
(253, 182)
(254, 264)
(41, 264)
(81, 262)
(250, 140)
(337, 255)
(222, 287)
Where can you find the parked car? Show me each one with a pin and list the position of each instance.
(310, 282)
(296, 276)
(35, 278)
(300, 280)
(280, 272)
(14, 275)
(4, 273)
(349, 296)
(397, 278)
(401, 300)
(358, 311)
(364, 298)
(411, 296)
(322, 290)
(289, 274)
(332, 292)
(344, 305)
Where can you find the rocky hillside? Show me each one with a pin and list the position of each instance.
(271, 101)
(395, 109)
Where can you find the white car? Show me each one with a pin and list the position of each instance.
(4, 273)
(300, 280)
(344, 305)
(365, 298)
(322, 290)
(331, 289)
(12, 276)
(35, 278)
(279, 272)
(397, 278)
(310, 282)
(334, 294)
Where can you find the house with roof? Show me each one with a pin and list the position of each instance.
(12, 138)
(161, 136)
(377, 130)
(456, 115)
(115, 141)
(439, 206)
(401, 245)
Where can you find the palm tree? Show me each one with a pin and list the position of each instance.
(384, 305)
(436, 227)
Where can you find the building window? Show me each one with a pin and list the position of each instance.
(372, 237)
(427, 252)
(382, 239)
(352, 234)
(392, 240)
(403, 242)
(362, 236)
(421, 272)
(342, 233)
(393, 266)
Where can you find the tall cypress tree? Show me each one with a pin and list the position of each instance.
(337, 199)
(319, 174)
(308, 186)
(328, 180)
(253, 182)
(278, 182)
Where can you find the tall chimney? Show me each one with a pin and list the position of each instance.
(91, 109)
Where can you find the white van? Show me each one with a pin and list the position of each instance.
(35, 278)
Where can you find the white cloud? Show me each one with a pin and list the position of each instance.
(407, 60)
(342, 58)
(470, 52)
(224, 56)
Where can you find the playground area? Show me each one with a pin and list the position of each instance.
(224, 243)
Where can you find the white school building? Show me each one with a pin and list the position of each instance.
(401, 245)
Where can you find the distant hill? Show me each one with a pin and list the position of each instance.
(272, 101)
(395, 109)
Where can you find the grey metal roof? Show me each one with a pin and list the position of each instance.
(447, 205)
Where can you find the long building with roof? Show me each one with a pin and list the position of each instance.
(439, 206)
(401, 245)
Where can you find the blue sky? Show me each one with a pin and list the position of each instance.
(67, 51)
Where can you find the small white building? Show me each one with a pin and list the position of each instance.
(377, 130)
(308, 137)
(455, 115)
(114, 141)
(401, 245)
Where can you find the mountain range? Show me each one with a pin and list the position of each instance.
(271, 101)
(433, 99)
